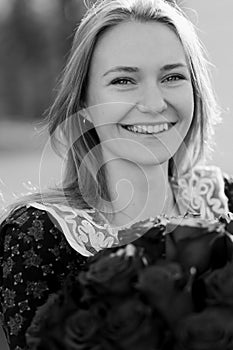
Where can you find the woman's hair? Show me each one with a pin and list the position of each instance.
(84, 184)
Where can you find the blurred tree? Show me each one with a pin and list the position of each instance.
(33, 47)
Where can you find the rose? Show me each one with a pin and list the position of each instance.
(113, 273)
(219, 286)
(82, 330)
(192, 244)
(127, 298)
(164, 287)
(67, 325)
(41, 322)
(221, 251)
(199, 243)
(47, 330)
(211, 329)
(130, 326)
(78, 331)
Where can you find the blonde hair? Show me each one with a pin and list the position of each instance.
(80, 188)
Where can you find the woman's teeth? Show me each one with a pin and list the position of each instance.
(148, 129)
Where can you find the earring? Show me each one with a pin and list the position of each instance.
(83, 115)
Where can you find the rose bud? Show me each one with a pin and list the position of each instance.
(113, 273)
(192, 240)
(130, 325)
(163, 286)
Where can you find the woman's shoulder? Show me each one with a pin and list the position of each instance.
(24, 215)
(32, 229)
(35, 258)
(83, 230)
(28, 219)
(223, 182)
(204, 189)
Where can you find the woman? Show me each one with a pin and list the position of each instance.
(133, 118)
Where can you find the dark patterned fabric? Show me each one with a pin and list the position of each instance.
(229, 190)
(35, 258)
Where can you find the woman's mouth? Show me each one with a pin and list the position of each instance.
(148, 129)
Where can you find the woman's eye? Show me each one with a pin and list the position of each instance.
(122, 81)
(172, 78)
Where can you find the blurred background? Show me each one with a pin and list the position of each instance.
(35, 38)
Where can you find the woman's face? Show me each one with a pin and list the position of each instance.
(140, 96)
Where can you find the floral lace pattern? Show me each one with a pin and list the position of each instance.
(81, 229)
(201, 191)
(40, 245)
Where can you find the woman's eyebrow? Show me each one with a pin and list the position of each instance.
(129, 69)
(173, 66)
(126, 69)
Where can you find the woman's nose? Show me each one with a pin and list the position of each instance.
(152, 100)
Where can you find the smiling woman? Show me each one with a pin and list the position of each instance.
(145, 109)
(133, 121)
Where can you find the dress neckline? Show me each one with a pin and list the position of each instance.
(200, 192)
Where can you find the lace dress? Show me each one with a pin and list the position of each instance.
(41, 244)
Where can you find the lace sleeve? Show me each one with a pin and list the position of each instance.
(35, 258)
(228, 180)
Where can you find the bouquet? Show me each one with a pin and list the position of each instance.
(134, 298)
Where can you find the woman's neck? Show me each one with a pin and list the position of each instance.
(138, 192)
